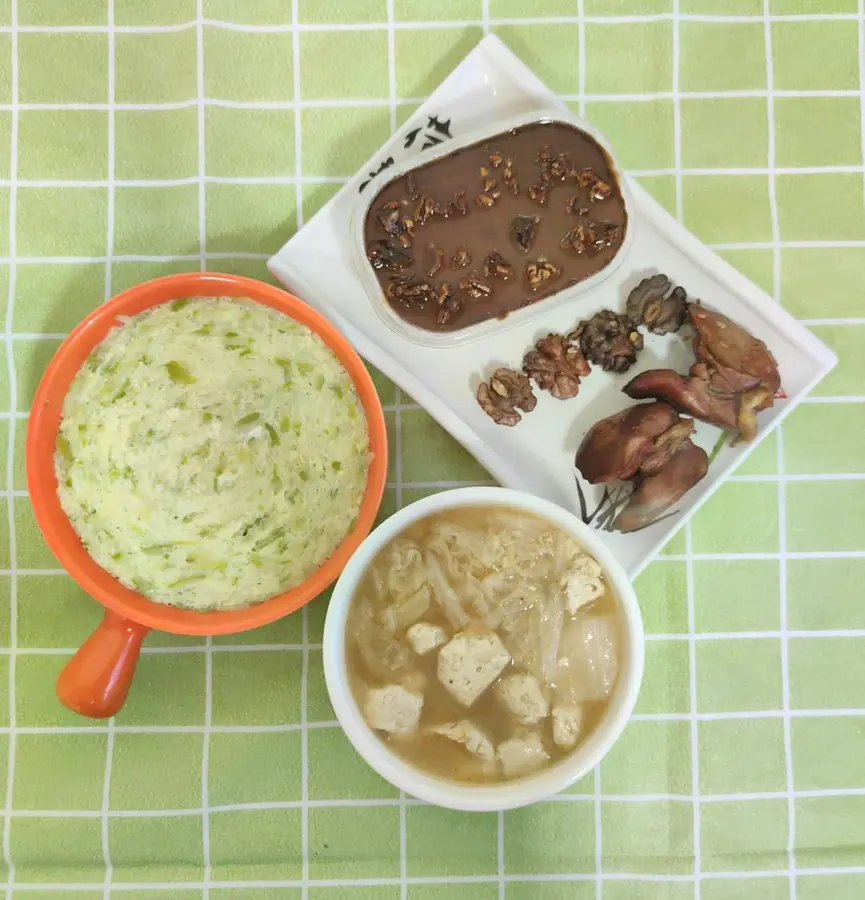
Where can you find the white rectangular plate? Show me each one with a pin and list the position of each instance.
(489, 86)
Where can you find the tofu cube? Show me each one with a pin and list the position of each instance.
(567, 722)
(523, 698)
(468, 734)
(584, 584)
(470, 662)
(522, 754)
(393, 709)
(424, 638)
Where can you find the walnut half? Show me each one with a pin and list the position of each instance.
(557, 366)
(506, 392)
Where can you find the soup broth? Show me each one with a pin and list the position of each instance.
(482, 644)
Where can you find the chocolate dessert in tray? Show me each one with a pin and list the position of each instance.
(502, 223)
(495, 226)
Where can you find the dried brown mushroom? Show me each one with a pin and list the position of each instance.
(496, 266)
(734, 378)
(506, 392)
(615, 447)
(609, 340)
(651, 303)
(540, 272)
(556, 366)
(524, 230)
(650, 446)
(387, 255)
(695, 396)
(654, 494)
(737, 359)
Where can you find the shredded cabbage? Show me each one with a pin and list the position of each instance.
(212, 453)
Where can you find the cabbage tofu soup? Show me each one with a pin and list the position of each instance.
(483, 644)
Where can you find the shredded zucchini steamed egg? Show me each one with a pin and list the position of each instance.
(212, 453)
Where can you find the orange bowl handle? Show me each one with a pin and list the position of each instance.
(96, 680)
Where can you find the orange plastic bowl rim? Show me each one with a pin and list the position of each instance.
(45, 419)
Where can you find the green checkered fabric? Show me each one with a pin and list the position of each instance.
(144, 138)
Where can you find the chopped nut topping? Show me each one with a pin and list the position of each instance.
(386, 255)
(458, 204)
(490, 184)
(574, 206)
(389, 219)
(462, 258)
(449, 305)
(424, 210)
(579, 239)
(539, 193)
(496, 160)
(435, 258)
(496, 266)
(475, 288)
(411, 188)
(599, 191)
(507, 391)
(408, 292)
(486, 200)
(540, 272)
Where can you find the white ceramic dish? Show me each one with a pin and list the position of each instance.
(451, 794)
(517, 318)
(489, 87)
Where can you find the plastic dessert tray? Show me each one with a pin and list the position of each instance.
(489, 87)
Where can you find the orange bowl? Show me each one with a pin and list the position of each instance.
(130, 614)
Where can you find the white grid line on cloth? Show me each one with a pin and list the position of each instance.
(299, 648)
(452, 24)
(367, 803)
(780, 462)
(107, 293)
(398, 396)
(10, 453)
(442, 880)
(244, 180)
(304, 672)
(696, 823)
(742, 715)
(500, 816)
(861, 18)
(202, 254)
(362, 102)
(597, 786)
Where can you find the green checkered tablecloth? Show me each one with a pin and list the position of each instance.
(143, 137)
